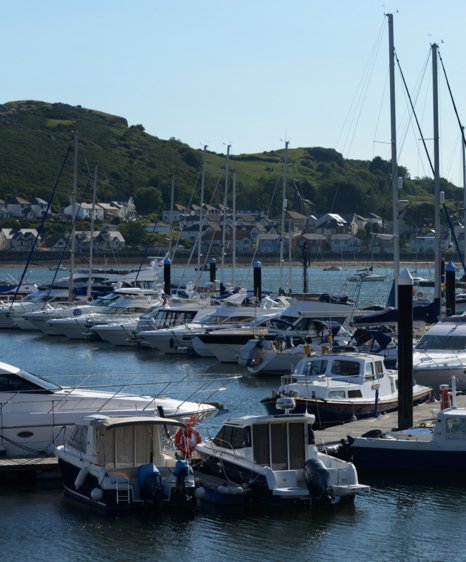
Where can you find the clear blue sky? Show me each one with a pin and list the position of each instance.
(249, 73)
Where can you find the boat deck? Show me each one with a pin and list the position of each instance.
(423, 413)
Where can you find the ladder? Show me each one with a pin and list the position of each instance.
(123, 492)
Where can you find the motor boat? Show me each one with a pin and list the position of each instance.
(133, 302)
(441, 353)
(431, 449)
(39, 319)
(275, 459)
(36, 411)
(366, 275)
(281, 355)
(122, 463)
(299, 319)
(341, 387)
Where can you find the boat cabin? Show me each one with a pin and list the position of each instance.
(13, 380)
(121, 442)
(282, 442)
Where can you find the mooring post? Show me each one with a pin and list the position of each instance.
(405, 350)
(167, 276)
(258, 280)
(450, 299)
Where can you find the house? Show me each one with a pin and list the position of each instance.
(316, 243)
(331, 223)
(84, 211)
(38, 207)
(345, 244)
(269, 244)
(103, 240)
(18, 239)
(19, 207)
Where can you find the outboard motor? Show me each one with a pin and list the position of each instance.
(150, 483)
(182, 472)
(317, 477)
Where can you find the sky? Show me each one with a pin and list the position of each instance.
(251, 74)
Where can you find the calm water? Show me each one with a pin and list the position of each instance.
(415, 522)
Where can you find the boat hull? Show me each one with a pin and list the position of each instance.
(413, 460)
(328, 413)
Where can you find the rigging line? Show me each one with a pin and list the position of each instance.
(414, 114)
(407, 116)
(41, 226)
(452, 99)
(357, 104)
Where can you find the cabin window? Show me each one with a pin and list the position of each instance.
(233, 437)
(261, 443)
(279, 446)
(345, 368)
(456, 425)
(13, 383)
(314, 368)
(78, 438)
(339, 394)
(354, 394)
(442, 342)
(128, 446)
(296, 436)
(379, 368)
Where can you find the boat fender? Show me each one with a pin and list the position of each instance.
(316, 476)
(186, 440)
(199, 492)
(81, 477)
(97, 494)
(230, 490)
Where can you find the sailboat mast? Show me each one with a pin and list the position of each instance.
(91, 245)
(225, 203)
(284, 205)
(233, 223)
(73, 216)
(396, 228)
(201, 216)
(172, 205)
(463, 146)
(437, 264)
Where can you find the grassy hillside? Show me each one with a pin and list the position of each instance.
(35, 137)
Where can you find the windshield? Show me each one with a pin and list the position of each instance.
(443, 343)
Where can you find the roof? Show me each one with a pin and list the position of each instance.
(111, 422)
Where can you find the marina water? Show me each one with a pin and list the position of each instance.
(409, 521)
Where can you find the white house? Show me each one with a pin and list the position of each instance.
(84, 211)
(345, 244)
(19, 207)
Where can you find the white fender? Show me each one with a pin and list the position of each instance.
(82, 474)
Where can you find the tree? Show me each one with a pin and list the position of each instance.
(148, 200)
(133, 232)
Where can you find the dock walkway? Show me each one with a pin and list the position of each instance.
(423, 413)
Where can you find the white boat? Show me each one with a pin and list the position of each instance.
(281, 355)
(132, 302)
(9, 312)
(433, 449)
(298, 319)
(441, 353)
(341, 387)
(365, 276)
(39, 319)
(35, 411)
(125, 463)
(276, 460)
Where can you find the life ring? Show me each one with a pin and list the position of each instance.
(186, 439)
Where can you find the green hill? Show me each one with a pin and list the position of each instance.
(35, 138)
